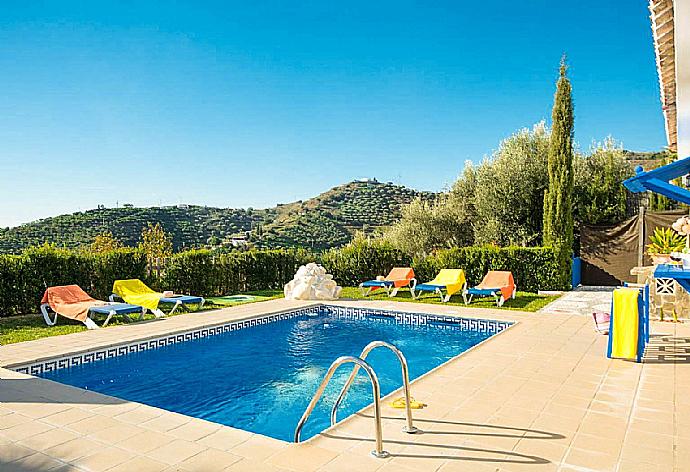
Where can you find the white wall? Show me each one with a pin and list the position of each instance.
(682, 46)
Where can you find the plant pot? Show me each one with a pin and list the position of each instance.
(661, 259)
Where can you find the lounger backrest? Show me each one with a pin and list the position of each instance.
(66, 294)
(497, 279)
(450, 277)
(130, 286)
(400, 273)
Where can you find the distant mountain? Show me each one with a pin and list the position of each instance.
(328, 220)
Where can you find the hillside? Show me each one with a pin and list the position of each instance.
(328, 220)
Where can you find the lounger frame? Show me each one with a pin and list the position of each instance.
(439, 291)
(158, 312)
(467, 297)
(391, 290)
(88, 322)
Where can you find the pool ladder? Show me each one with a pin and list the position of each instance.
(360, 362)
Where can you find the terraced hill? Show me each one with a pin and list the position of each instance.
(328, 220)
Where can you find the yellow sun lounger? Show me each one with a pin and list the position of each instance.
(136, 292)
(449, 280)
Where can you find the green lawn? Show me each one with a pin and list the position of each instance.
(14, 329)
(523, 301)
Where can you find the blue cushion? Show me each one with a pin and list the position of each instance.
(429, 287)
(377, 283)
(119, 308)
(483, 292)
(181, 298)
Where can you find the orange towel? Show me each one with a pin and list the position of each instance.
(499, 280)
(70, 301)
(400, 276)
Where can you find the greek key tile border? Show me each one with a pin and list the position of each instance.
(481, 325)
(453, 322)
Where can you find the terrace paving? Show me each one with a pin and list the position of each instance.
(541, 396)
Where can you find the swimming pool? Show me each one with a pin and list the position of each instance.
(260, 374)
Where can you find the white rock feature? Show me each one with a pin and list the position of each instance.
(311, 282)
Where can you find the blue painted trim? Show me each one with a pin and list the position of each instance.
(657, 180)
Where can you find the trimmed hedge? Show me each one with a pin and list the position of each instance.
(534, 268)
(352, 264)
(23, 278)
(209, 274)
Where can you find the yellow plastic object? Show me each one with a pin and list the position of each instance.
(453, 279)
(135, 292)
(414, 404)
(625, 323)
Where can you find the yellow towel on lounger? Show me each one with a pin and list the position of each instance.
(625, 323)
(135, 292)
(453, 279)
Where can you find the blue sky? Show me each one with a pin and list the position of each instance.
(241, 104)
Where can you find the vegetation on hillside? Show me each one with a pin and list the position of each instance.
(328, 220)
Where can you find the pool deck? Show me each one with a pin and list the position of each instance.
(541, 396)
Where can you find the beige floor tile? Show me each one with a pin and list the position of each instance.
(71, 415)
(14, 419)
(590, 460)
(176, 451)
(74, 449)
(302, 458)
(225, 438)
(12, 452)
(248, 465)
(210, 460)
(103, 459)
(259, 448)
(43, 441)
(350, 463)
(140, 464)
(117, 433)
(139, 415)
(166, 422)
(145, 442)
(36, 462)
(92, 424)
(25, 430)
(194, 430)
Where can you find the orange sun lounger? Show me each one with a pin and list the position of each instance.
(74, 303)
(397, 278)
(496, 283)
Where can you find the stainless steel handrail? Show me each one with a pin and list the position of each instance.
(375, 391)
(409, 428)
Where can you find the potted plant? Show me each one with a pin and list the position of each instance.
(682, 227)
(663, 242)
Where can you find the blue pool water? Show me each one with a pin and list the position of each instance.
(262, 377)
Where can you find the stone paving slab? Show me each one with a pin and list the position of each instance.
(540, 396)
(581, 301)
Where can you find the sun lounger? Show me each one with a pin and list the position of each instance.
(72, 302)
(496, 283)
(137, 292)
(449, 281)
(397, 278)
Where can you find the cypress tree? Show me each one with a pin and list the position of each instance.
(558, 199)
